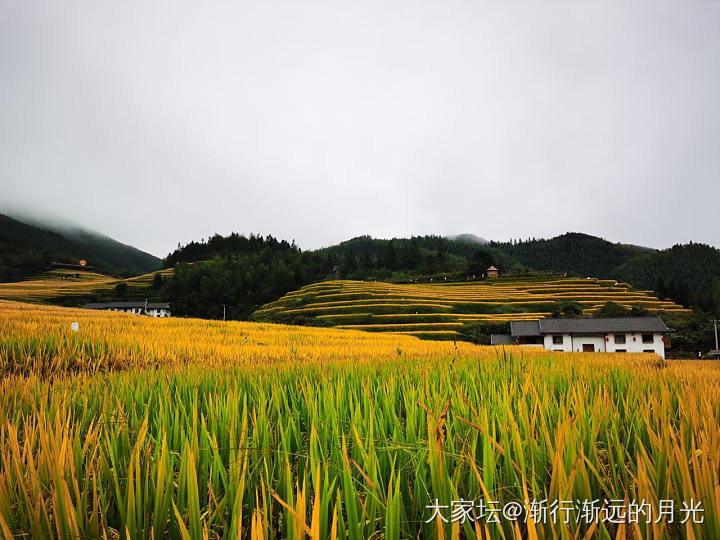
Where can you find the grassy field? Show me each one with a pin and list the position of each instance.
(442, 309)
(68, 284)
(136, 427)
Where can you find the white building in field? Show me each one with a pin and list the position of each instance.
(626, 334)
(154, 309)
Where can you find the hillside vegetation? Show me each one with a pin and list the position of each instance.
(27, 250)
(235, 275)
(448, 310)
(182, 428)
(245, 272)
(687, 274)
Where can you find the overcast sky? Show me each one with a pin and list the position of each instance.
(159, 123)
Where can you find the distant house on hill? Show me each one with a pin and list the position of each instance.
(624, 334)
(66, 266)
(154, 309)
(492, 272)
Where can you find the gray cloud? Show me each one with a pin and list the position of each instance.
(319, 121)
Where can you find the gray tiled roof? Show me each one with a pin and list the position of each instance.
(603, 326)
(127, 305)
(588, 326)
(525, 328)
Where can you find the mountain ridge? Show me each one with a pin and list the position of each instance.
(28, 248)
(470, 238)
(686, 273)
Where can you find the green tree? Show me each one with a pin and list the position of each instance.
(411, 255)
(351, 265)
(612, 310)
(572, 310)
(121, 289)
(390, 260)
(481, 260)
(568, 310)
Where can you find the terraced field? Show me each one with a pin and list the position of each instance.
(440, 310)
(70, 283)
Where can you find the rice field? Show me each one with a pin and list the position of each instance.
(60, 284)
(383, 307)
(134, 427)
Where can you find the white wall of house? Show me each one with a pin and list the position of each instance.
(565, 346)
(597, 341)
(634, 343)
(154, 312)
(637, 343)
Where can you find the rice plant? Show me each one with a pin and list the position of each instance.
(146, 428)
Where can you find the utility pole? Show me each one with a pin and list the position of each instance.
(224, 311)
(717, 347)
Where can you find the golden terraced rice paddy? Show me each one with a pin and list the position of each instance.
(441, 309)
(60, 284)
(135, 427)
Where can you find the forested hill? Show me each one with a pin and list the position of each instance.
(578, 253)
(688, 274)
(244, 271)
(27, 249)
(416, 257)
(237, 273)
(225, 245)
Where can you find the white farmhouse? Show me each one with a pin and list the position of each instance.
(154, 309)
(626, 334)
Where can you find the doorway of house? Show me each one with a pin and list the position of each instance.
(588, 347)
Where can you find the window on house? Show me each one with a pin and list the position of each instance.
(647, 338)
(648, 350)
(619, 339)
(620, 350)
(557, 340)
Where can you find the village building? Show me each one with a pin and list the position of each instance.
(619, 335)
(154, 309)
(492, 272)
(81, 266)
